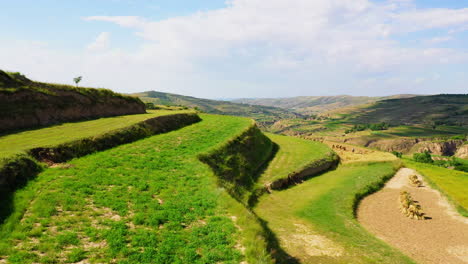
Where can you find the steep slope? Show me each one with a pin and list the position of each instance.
(25, 103)
(316, 104)
(443, 109)
(262, 114)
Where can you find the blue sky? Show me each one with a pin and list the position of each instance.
(242, 48)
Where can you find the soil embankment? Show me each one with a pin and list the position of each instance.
(26, 104)
(462, 152)
(441, 238)
(410, 145)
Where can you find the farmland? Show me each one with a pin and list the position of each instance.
(152, 200)
(12, 144)
(294, 154)
(451, 182)
(314, 221)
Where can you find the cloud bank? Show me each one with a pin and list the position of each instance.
(264, 48)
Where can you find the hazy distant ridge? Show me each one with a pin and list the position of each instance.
(317, 104)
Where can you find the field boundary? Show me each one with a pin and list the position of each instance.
(313, 168)
(237, 162)
(16, 171)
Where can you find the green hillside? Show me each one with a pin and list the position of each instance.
(450, 109)
(316, 104)
(422, 116)
(264, 115)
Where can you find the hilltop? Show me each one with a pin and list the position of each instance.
(317, 104)
(25, 103)
(264, 115)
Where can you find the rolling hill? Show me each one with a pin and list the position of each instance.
(443, 109)
(317, 104)
(264, 115)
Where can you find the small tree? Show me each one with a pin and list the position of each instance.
(77, 80)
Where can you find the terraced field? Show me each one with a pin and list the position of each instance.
(314, 221)
(294, 154)
(169, 198)
(150, 201)
(19, 142)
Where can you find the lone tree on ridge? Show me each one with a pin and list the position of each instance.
(77, 80)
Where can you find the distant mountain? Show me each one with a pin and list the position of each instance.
(264, 115)
(317, 104)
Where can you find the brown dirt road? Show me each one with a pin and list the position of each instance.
(442, 238)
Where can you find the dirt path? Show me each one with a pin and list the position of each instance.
(443, 238)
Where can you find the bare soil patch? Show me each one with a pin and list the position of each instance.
(441, 238)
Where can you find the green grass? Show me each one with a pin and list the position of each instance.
(324, 207)
(149, 201)
(451, 182)
(294, 155)
(413, 131)
(17, 143)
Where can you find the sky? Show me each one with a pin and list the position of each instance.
(241, 48)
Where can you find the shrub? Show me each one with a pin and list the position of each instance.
(373, 127)
(378, 126)
(424, 157)
(397, 154)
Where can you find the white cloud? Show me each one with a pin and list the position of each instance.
(124, 21)
(275, 44)
(100, 43)
(414, 20)
(357, 32)
(440, 39)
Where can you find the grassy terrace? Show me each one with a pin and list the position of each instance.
(149, 201)
(314, 221)
(294, 154)
(50, 136)
(451, 182)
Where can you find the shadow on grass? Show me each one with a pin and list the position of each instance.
(256, 193)
(280, 256)
(6, 204)
(14, 175)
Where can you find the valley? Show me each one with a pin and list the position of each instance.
(179, 184)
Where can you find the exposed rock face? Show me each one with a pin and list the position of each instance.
(462, 152)
(403, 145)
(414, 145)
(445, 148)
(26, 108)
